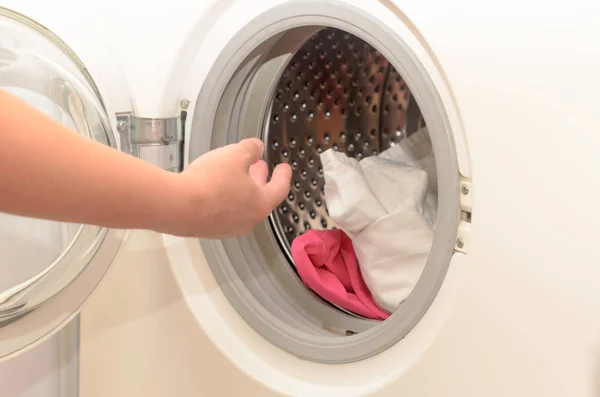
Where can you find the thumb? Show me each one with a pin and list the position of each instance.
(278, 187)
(251, 151)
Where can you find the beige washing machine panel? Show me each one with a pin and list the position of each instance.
(466, 71)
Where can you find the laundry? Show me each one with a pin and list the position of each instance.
(326, 263)
(387, 205)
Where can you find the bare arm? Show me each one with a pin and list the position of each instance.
(48, 171)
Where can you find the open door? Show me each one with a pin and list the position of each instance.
(48, 269)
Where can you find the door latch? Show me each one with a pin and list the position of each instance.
(464, 225)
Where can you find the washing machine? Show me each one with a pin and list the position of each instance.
(507, 304)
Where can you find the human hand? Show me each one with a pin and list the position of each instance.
(225, 192)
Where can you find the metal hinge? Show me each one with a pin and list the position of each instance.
(464, 225)
(157, 141)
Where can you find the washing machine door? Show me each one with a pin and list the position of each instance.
(48, 269)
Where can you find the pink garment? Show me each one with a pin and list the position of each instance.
(327, 264)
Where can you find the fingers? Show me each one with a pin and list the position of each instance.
(251, 151)
(259, 172)
(278, 187)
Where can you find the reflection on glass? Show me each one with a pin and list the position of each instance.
(38, 258)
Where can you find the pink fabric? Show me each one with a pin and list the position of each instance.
(326, 262)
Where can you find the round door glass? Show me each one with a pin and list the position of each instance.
(39, 257)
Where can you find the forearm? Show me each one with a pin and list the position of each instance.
(48, 171)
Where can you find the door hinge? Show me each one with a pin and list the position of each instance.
(464, 225)
(157, 141)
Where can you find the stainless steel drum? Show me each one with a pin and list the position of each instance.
(305, 89)
(337, 92)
